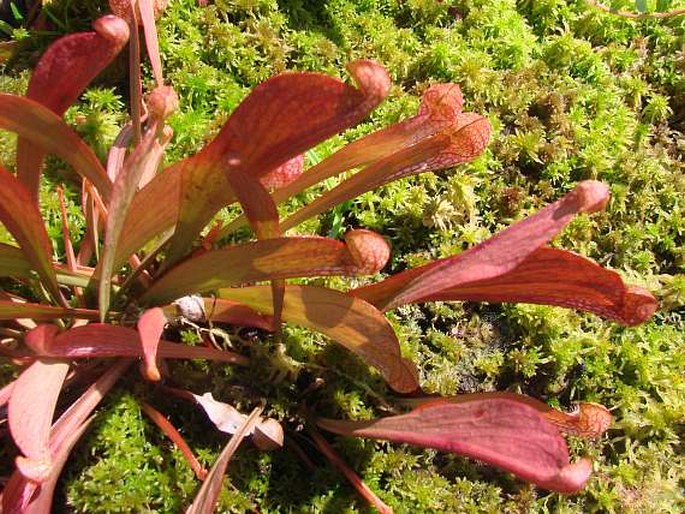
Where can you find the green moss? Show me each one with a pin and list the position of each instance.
(572, 93)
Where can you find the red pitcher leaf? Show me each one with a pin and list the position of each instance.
(19, 213)
(31, 120)
(457, 144)
(13, 262)
(441, 104)
(73, 61)
(104, 340)
(29, 497)
(498, 255)
(40, 312)
(234, 313)
(284, 174)
(279, 120)
(62, 73)
(292, 112)
(550, 276)
(352, 323)
(150, 328)
(505, 433)
(205, 501)
(30, 411)
(588, 420)
(270, 259)
(149, 9)
(146, 156)
(77, 413)
(369, 250)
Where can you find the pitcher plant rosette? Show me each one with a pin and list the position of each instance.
(146, 258)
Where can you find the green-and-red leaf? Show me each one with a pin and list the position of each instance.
(19, 213)
(147, 155)
(353, 323)
(104, 340)
(271, 259)
(235, 313)
(550, 276)
(502, 432)
(62, 73)
(36, 311)
(498, 255)
(459, 143)
(40, 125)
(280, 119)
(441, 105)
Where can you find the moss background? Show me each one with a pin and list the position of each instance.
(572, 93)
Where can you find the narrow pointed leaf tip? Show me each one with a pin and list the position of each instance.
(503, 432)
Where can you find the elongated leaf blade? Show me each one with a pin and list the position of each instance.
(505, 433)
(30, 411)
(36, 311)
(550, 276)
(105, 340)
(41, 126)
(235, 313)
(457, 144)
(205, 501)
(271, 259)
(441, 105)
(354, 324)
(62, 73)
(279, 120)
(498, 255)
(19, 213)
(64, 434)
(147, 16)
(588, 420)
(147, 155)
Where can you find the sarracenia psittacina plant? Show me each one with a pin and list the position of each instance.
(138, 263)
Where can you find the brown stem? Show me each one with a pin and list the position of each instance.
(176, 437)
(339, 464)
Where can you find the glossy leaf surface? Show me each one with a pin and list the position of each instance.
(38, 124)
(505, 433)
(353, 323)
(494, 257)
(30, 411)
(104, 340)
(62, 73)
(278, 121)
(271, 259)
(20, 215)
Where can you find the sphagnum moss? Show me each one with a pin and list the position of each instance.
(573, 93)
